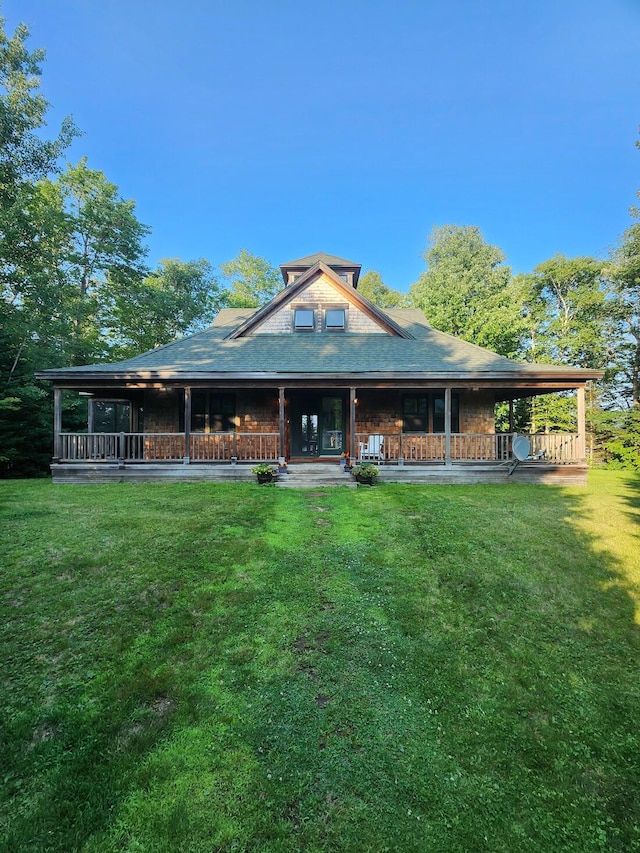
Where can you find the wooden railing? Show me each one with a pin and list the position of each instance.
(554, 448)
(168, 447)
(265, 446)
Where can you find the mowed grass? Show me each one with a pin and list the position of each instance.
(242, 668)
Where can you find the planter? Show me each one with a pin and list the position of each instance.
(365, 481)
(264, 478)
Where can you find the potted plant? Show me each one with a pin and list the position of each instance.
(345, 463)
(366, 473)
(263, 471)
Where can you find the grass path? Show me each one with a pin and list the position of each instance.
(405, 668)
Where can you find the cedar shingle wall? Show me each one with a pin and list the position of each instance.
(477, 412)
(257, 411)
(162, 410)
(319, 294)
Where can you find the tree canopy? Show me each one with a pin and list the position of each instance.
(467, 289)
(375, 290)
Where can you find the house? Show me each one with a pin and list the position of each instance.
(316, 372)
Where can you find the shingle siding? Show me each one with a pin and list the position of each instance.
(318, 295)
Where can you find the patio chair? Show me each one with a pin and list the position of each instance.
(373, 449)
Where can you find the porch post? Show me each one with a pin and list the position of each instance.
(281, 420)
(57, 424)
(582, 425)
(447, 425)
(352, 424)
(510, 415)
(187, 424)
(90, 415)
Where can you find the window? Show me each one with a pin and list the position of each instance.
(111, 416)
(304, 320)
(335, 319)
(426, 413)
(211, 412)
(415, 414)
(438, 413)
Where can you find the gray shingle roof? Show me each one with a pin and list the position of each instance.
(429, 354)
(329, 260)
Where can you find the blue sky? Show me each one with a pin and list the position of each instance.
(353, 126)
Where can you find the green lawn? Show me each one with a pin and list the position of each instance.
(244, 668)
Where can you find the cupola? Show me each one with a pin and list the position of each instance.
(347, 270)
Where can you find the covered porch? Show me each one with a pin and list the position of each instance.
(198, 430)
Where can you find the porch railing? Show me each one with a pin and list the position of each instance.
(168, 447)
(475, 447)
(265, 446)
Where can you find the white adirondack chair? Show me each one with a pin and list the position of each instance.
(373, 449)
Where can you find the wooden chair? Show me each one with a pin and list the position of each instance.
(373, 449)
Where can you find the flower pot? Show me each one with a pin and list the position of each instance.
(365, 481)
(264, 478)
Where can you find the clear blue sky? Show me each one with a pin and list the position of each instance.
(353, 126)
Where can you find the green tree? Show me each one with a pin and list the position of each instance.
(26, 156)
(625, 272)
(375, 290)
(467, 289)
(251, 281)
(569, 309)
(178, 298)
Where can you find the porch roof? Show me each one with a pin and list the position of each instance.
(428, 355)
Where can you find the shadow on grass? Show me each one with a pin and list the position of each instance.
(411, 668)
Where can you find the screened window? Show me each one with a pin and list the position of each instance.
(335, 319)
(303, 320)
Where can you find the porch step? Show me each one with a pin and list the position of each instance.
(313, 475)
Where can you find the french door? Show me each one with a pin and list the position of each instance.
(318, 426)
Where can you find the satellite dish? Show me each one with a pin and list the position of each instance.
(521, 447)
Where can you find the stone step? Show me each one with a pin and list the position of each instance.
(309, 481)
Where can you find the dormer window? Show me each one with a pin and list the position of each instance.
(335, 319)
(303, 320)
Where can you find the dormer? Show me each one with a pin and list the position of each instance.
(347, 270)
(320, 299)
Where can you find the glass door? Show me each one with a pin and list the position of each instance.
(317, 426)
(332, 426)
(309, 433)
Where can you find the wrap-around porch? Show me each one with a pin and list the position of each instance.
(414, 429)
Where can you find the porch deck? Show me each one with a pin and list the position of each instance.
(317, 475)
(320, 474)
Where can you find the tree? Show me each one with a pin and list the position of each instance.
(569, 306)
(26, 156)
(251, 281)
(178, 298)
(375, 290)
(467, 289)
(625, 271)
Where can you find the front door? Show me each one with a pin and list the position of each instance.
(309, 433)
(318, 427)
